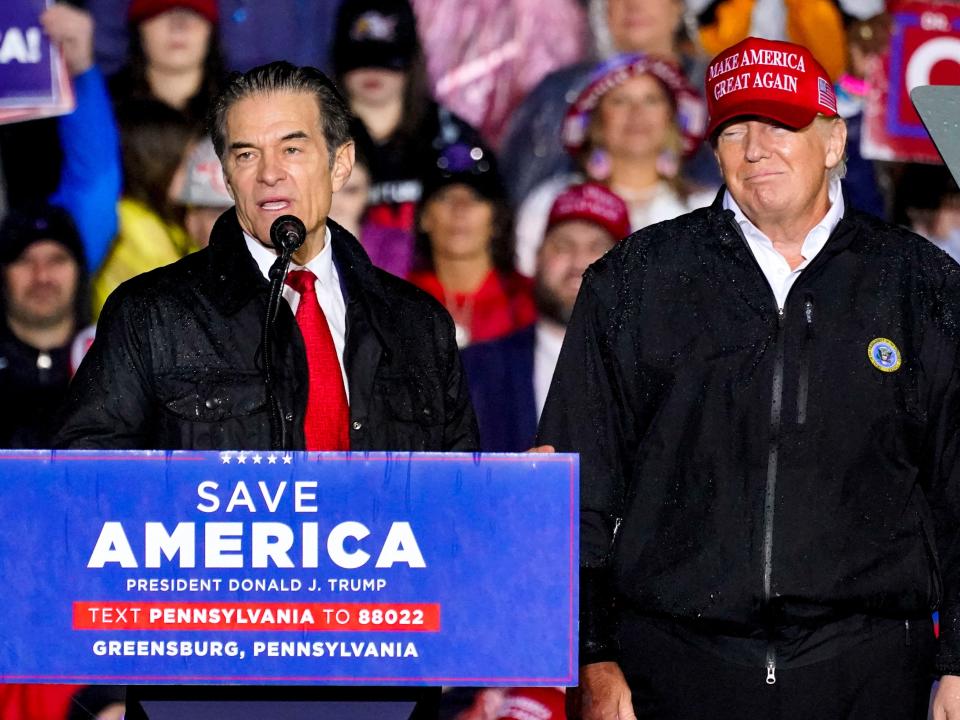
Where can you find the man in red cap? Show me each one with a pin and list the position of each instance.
(765, 397)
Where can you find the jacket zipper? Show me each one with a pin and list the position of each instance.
(776, 408)
(773, 457)
(803, 385)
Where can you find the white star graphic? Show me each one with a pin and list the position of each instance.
(242, 459)
(225, 458)
(272, 459)
(257, 458)
(287, 459)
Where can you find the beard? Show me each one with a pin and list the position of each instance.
(27, 313)
(549, 303)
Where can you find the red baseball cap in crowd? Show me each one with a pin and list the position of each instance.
(546, 703)
(690, 110)
(141, 10)
(771, 79)
(593, 203)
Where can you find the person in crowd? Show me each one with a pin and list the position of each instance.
(485, 56)
(867, 39)
(174, 56)
(379, 63)
(466, 243)
(60, 702)
(928, 202)
(45, 303)
(90, 178)
(629, 128)
(204, 195)
(349, 206)
(509, 377)
(176, 361)
(533, 149)
(815, 24)
(154, 138)
(764, 396)
(389, 248)
(251, 33)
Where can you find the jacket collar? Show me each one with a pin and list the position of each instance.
(235, 279)
(361, 283)
(730, 232)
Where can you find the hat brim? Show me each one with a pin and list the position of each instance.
(356, 55)
(792, 116)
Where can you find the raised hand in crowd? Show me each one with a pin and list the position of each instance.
(72, 29)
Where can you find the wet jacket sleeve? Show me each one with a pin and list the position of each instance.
(943, 363)
(90, 175)
(585, 413)
(111, 397)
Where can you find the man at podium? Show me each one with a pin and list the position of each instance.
(360, 360)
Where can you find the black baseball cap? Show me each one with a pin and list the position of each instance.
(374, 34)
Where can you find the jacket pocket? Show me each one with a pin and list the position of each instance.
(412, 409)
(214, 398)
(935, 592)
(215, 411)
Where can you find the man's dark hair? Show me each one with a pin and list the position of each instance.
(282, 77)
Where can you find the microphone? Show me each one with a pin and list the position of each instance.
(287, 234)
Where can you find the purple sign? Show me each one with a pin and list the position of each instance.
(29, 68)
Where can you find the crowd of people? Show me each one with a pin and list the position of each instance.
(431, 199)
(497, 226)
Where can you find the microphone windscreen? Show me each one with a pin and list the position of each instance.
(287, 233)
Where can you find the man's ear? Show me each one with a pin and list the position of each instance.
(342, 165)
(836, 143)
(226, 182)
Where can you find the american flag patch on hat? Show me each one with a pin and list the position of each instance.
(825, 94)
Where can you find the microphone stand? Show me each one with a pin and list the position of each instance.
(278, 271)
(287, 234)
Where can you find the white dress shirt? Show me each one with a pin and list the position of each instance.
(774, 265)
(547, 342)
(329, 293)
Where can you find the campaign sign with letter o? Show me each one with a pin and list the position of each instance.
(924, 50)
(288, 568)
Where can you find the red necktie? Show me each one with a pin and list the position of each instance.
(326, 425)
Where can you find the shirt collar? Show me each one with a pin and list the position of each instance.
(549, 337)
(818, 235)
(321, 265)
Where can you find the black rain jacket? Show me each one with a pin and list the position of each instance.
(746, 470)
(175, 364)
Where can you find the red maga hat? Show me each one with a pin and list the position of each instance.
(690, 110)
(777, 80)
(546, 703)
(141, 10)
(593, 203)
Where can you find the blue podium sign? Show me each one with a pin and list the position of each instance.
(288, 568)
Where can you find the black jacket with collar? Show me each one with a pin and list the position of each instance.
(748, 471)
(175, 364)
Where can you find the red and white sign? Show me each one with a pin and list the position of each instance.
(924, 50)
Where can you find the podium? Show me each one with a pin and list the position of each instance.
(288, 569)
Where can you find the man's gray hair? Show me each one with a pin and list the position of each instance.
(283, 77)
